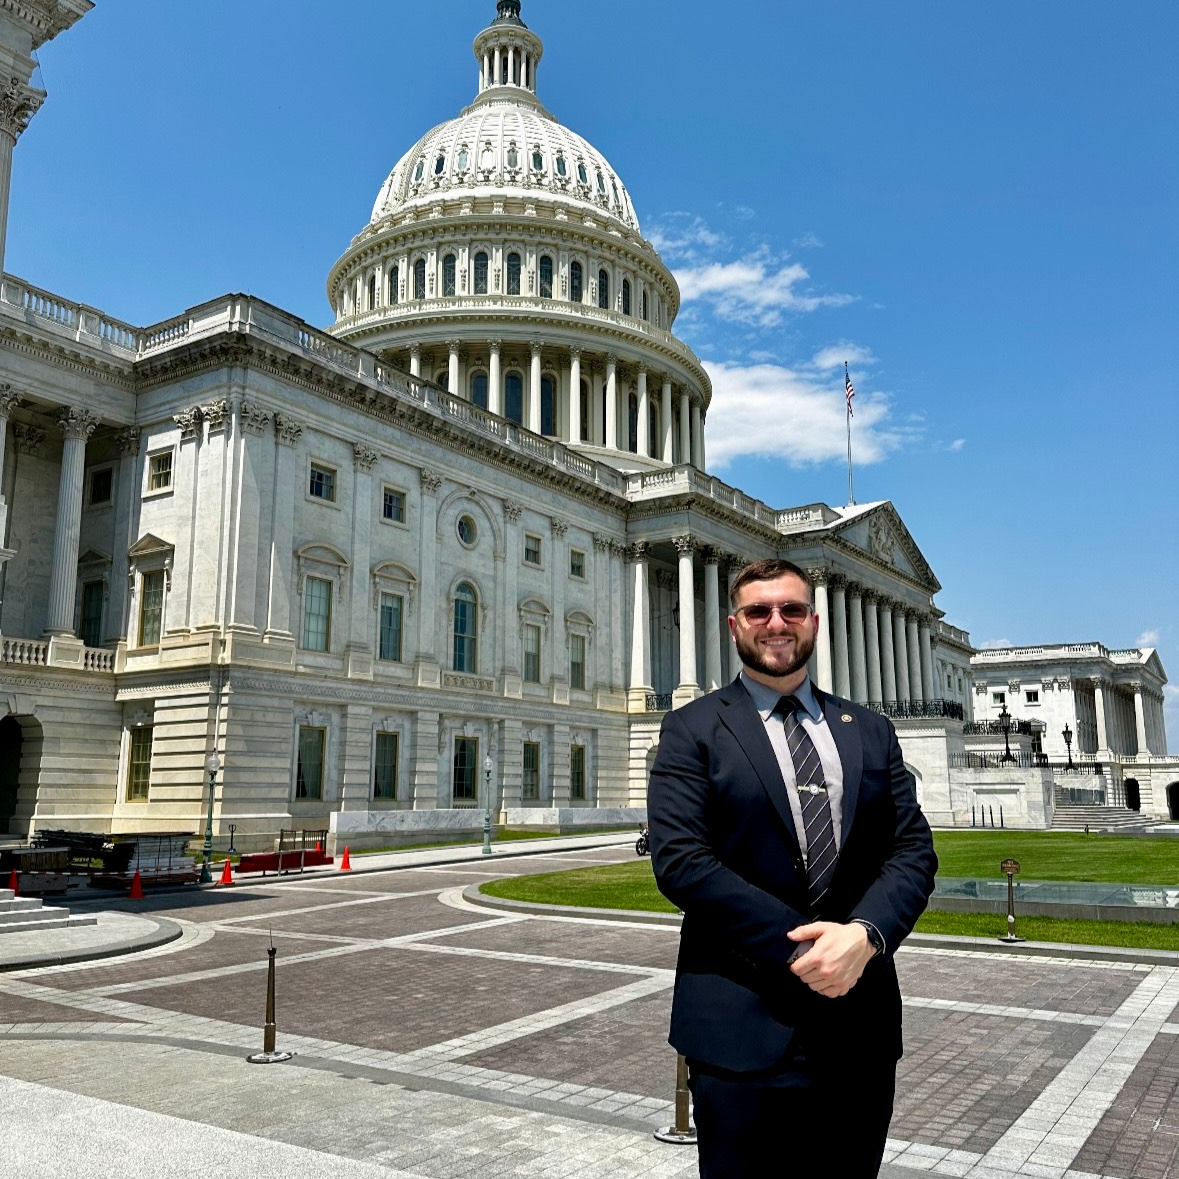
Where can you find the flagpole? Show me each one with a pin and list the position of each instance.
(850, 393)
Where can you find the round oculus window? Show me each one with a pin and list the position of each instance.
(467, 532)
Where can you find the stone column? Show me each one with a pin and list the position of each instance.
(640, 634)
(824, 671)
(9, 400)
(575, 395)
(859, 677)
(839, 630)
(512, 678)
(77, 425)
(278, 621)
(1140, 720)
(872, 646)
(688, 688)
(415, 360)
(559, 643)
(914, 653)
(495, 385)
(534, 423)
(927, 686)
(900, 653)
(888, 675)
(611, 402)
(127, 444)
(452, 371)
(665, 419)
(643, 433)
(712, 632)
(362, 616)
(685, 428)
(617, 611)
(1099, 708)
(601, 610)
(697, 438)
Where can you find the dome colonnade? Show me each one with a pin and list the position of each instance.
(504, 262)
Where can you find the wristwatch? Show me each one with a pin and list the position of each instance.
(875, 937)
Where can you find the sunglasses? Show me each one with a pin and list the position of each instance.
(759, 613)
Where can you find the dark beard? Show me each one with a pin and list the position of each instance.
(752, 657)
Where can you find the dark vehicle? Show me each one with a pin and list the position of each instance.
(643, 843)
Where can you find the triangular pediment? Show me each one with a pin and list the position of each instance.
(94, 557)
(149, 545)
(881, 534)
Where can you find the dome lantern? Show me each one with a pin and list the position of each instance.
(508, 53)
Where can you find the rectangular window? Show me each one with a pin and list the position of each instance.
(309, 773)
(90, 631)
(577, 662)
(1032, 697)
(139, 764)
(323, 483)
(159, 471)
(317, 614)
(465, 778)
(101, 482)
(532, 654)
(385, 766)
(151, 608)
(393, 506)
(577, 772)
(998, 697)
(576, 563)
(390, 637)
(531, 549)
(531, 769)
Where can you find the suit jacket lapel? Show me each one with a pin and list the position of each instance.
(742, 719)
(851, 756)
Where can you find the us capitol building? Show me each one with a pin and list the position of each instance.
(460, 550)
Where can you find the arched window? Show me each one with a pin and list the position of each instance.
(632, 424)
(586, 435)
(466, 630)
(481, 273)
(575, 282)
(646, 316)
(449, 267)
(372, 291)
(654, 444)
(443, 379)
(603, 290)
(419, 279)
(514, 398)
(546, 277)
(479, 390)
(395, 284)
(626, 296)
(503, 69)
(513, 274)
(548, 406)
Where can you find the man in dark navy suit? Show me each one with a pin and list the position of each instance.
(783, 824)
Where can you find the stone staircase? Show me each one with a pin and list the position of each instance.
(25, 914)
(1078, 816)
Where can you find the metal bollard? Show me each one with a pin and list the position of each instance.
(683, 1133)
(1011, 867)
(268, 1055)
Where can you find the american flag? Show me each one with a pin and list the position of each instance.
(847, 388)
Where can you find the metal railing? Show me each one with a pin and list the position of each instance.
(993, 728)
(1020, 759)
(917, 709)
(658, 701)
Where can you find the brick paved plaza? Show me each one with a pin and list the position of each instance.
(439, 1039)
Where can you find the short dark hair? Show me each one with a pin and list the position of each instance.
(770, 569)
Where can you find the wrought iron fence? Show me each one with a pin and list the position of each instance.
(993, 728)
(916, 709)
(1020, 759)
(658, 701)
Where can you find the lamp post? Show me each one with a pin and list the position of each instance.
(1068, 743)
(487, 806)
(1005, 725)
(212, 765)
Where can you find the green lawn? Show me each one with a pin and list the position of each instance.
(1064, 855)
(1043, 856)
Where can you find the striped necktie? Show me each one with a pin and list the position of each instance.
(822, 853)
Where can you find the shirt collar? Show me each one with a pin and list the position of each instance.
(765, 699)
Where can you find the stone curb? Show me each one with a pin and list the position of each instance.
(472, 894)
(165, 931)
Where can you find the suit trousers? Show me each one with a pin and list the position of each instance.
(808, 1119)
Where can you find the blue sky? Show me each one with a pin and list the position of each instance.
(974, 204)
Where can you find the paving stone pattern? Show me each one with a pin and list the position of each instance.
(441, 1040)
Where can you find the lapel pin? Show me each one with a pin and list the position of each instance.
(846, 718)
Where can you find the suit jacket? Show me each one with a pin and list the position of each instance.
(725, 851)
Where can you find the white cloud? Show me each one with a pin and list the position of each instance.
(753, 290)
(769, 411)
(835, 355)
(995, 644)
(1148, 638)
(684, 235)
(956, 445)
(809, 241)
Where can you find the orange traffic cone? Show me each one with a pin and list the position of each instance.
(12, 882)
(136, 893)
(226, 873)
(318, 847)
(345, 863)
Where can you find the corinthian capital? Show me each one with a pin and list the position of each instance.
(9, 400)
(77, 423)
(18, 104)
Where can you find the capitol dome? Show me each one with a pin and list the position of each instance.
(504, 262)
